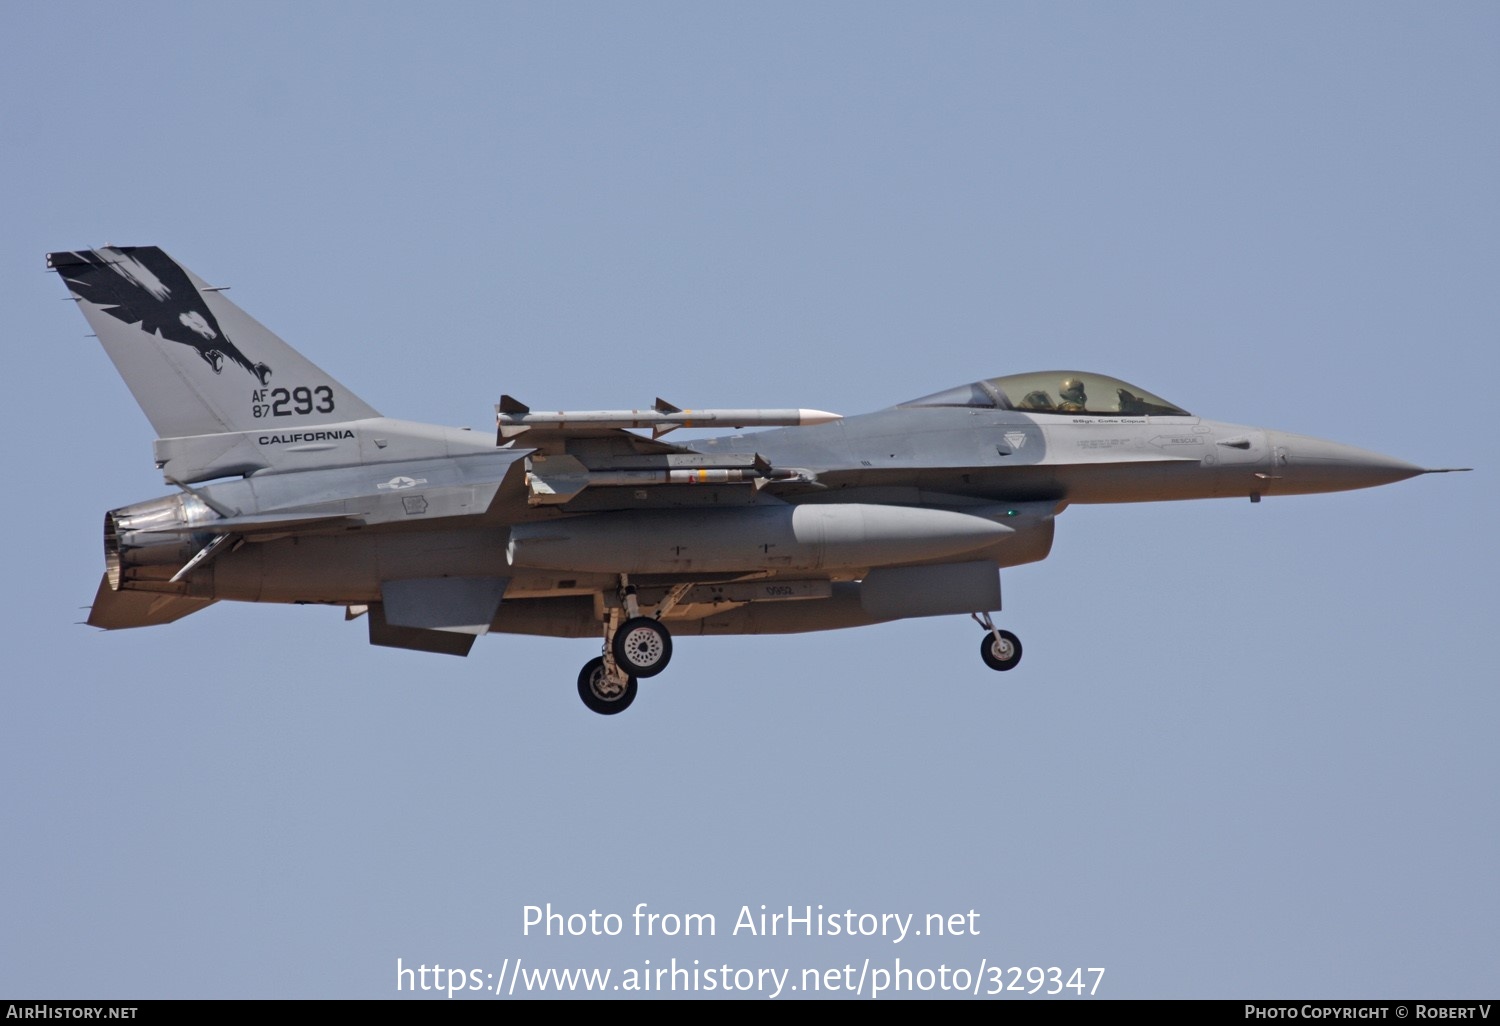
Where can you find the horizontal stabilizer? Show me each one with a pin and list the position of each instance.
(117, 610)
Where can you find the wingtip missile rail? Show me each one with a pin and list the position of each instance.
(513, 417)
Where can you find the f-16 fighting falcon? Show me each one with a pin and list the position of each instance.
(290, 488)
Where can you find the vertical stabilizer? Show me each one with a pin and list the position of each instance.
(196, 363)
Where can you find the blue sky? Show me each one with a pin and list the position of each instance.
(1250, 750)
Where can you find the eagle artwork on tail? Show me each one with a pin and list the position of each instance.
(149, 289)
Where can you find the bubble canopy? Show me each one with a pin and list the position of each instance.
(1066, 392)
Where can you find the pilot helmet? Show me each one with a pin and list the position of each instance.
(1071, 390)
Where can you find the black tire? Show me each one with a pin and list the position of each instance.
(993, 651)
(599, 694)
(642, 646)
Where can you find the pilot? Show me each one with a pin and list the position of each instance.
(1073, 398)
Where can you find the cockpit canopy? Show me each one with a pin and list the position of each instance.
(1075, 392)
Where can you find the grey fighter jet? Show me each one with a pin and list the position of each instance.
(290, 488)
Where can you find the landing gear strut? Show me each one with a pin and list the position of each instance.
(641, 645)
(1000, 650)
(635, 647)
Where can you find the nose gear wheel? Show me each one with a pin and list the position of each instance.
(1000, 650)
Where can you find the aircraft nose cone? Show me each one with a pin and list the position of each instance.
(1318, 465)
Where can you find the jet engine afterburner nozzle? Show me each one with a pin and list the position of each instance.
(145, 544)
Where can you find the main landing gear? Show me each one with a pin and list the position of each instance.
(1000, 650)
(605, 689)
(635, 647)
(642, 646)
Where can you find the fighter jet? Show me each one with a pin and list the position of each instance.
(586, 524)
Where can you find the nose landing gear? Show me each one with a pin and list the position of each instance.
(1000, 650)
